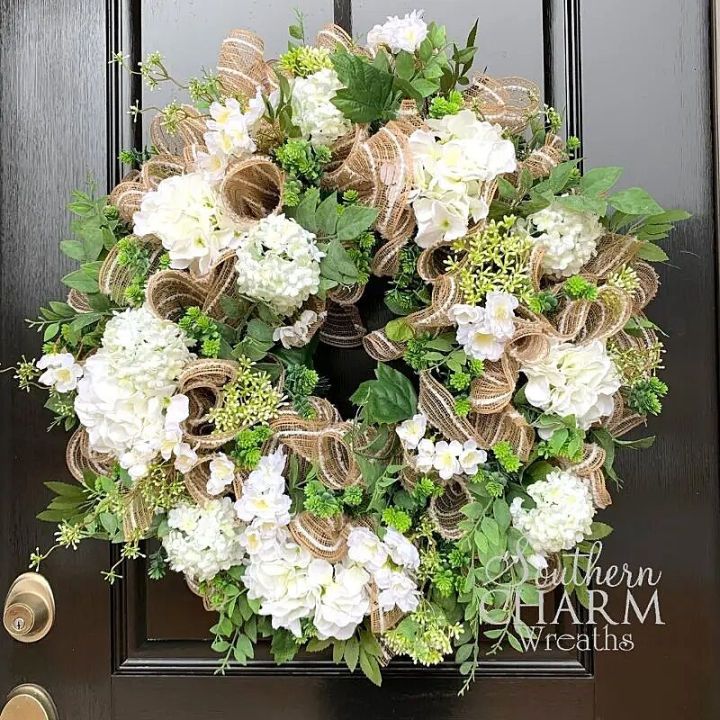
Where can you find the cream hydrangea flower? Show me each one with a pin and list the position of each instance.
(203, 539)
(577, 380)
(562, 515)
(278, 263)
(397, 589)
(319, 120)
(398, 33)
(366, 548)
(452, 160)
(186, 213)
(402, 552)
(425, 458)
(61, 371)
(483, 331)
(343, 604)
(127, 387)
(568, 237)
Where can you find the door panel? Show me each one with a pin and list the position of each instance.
(635, 81)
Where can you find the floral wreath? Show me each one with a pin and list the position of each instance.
(239, 247)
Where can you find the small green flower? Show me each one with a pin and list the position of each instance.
(397, 518)
(579, 288)
(644, 396)
(459, 380)
(321, 501)
(462, 406)
(304, 60)
(506, 457)
(450, 105)
(542, 302)
(352, 496)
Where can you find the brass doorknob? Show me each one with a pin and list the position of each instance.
(29, 702)
(29, 611)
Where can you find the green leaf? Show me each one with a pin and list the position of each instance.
(391, 398)
(583, 203)
(84, 280)
(305, 213)
(635, 201)
(425, 87)
(258, 330)
(370, 667)
(652, 253)
(398, 330)
(368, 94)
(560, 176)
(337, 265)
(405, 65)
(354, 221)
(326, 216)
(599, 180)
(490, 528)
(74, 249)
(66, 489)
(51, 331)
(501, 513)
(598, 531)
(352, 653)
(639, 444)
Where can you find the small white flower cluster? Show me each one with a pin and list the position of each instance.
(186, 213)
(318, 119)
(222, 474)
(297, 334)
(61, 371)
(278, 263)
(293, 585)
(124, 397)
(452, 160)
(483, 331)
(578, 380)
(203, 539)
(398, 33)
(569, 238)
(562, 515)
(446, 458)
(229, 135)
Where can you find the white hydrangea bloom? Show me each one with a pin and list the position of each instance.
(203, 540)
(562, 516)
(278, 263)
(264, 497)
(343, 604)
(397, 589)
(425, 458)
(569, 238)
(186, 213)
(452, 160)
(230, 127)
(578, 380)
(319, 120)
(297, 334)
(402, 552)
(185, 457)
(398, 33)
(61, 371)
(366, 548)
(222, 474)
(484, 331)
(127, 385)
(412, 431)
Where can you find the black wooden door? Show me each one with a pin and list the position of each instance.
(636, 81)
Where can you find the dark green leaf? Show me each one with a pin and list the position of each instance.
(652, 253)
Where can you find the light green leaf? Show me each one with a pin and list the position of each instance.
(337, 265)
(652, 253)
(635, 201)
(598, 531)
(326, 216)
(404, 65)
(354, 221)
(599, 180)
(370, 667)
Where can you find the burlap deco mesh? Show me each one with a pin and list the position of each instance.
(623, 419)
(590, 470)
(330, 36)
(159, 168)
(445, 293)
(649, 284)
(137, 515)
(127, 195)
(493, 390)
(322, 444)
(345, 145)
(324, 538)
(80, 457)
(203, 382)
(170, 292)
(530, 341)
(114, 278)
(197, 477)
(78, 301)
(438, 405)
(252, 189)
(190, 129)
(194, 588)
(241, 66)
(608, 315)
(379, 347)
(541, 161)
(346, 295)
(510, 102)
(382, 620)
(343, 326)
(613, 252)
(444, 510)
(380, 169)
(508, 425)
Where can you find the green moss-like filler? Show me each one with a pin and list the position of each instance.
(321, 501)
(302, 61)
(451, 105)
(506, 456)
(248, 446)
(493, 259)
(203, 330)
(644, 396)
(397, 518)
(579, 288)
(249, 399)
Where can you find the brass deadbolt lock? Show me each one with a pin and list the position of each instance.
(29, 702)
(29, 611)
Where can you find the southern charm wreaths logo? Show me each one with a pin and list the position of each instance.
(516, 355)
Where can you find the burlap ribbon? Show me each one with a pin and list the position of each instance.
(510, 102)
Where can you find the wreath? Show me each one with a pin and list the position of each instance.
(239, 247)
